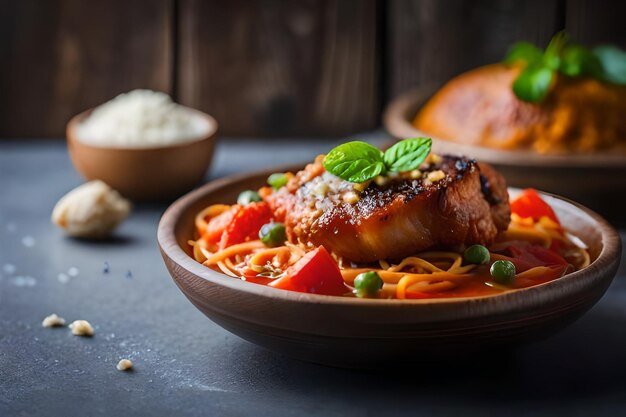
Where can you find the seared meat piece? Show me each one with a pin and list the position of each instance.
(450, 202)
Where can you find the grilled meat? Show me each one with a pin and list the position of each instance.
(450, 201)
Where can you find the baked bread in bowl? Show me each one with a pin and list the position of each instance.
(579, 115)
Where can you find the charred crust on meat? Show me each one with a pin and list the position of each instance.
(376, 196)
(445, 203)
(485, 187)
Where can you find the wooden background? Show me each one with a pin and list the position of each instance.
(263, 67)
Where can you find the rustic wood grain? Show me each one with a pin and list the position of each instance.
(594, 22)
(433, 40)
(63, 56)
(278, 67)
(263, 67)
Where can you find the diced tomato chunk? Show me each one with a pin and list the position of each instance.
(532, 256)
(417, 294)
(316, 272)
(245, 224)
(285, 283)
(530, 204)
(217, 224)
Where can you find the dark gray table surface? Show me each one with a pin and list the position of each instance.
(187, 366)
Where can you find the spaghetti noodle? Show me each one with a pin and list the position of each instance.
(540, 249)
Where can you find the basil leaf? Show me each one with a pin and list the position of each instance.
(577, 60)
(523, 52)
(355, 162)
(552, 55)
(407, 154)
(613, 62)
(533, 84)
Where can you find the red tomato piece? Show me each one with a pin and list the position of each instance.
(530, 204)
(217, 224)
(285, 283)
(316, 272)
(552, 273)
(245, 224)
(532, 256)
(548, 256)
(417, 294)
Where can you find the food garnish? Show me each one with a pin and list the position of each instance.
(367, 284)
(606, 63)
(316, 272)
(476, 254)
(448, 232)
(277, 180)
(503, 271)
(358, 162)
(247, 197)
(529, 204)
(273, 234)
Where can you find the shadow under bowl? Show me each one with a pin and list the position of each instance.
(370, 333)
(144, 174)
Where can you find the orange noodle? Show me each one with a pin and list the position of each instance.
(430, 274)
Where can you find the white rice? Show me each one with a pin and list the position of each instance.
(142, 119)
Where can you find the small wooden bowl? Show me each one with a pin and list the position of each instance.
(351, 332)
(580, 176)
(144, 174)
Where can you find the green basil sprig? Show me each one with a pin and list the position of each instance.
(605, 63)
(359, 161)
(613, 63)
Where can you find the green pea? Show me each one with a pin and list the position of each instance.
(277, 180)
(367, 284)
(247, 197)
(503, 272)
(476, 254)
(273, 234)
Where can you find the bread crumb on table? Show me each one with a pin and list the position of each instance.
(53, 321)
(124, 365)
(81, 328)
(91, 210)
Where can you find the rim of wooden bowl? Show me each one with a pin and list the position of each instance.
(400, 112)
(596, 273)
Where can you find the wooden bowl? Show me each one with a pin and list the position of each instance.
(352, 332)
(144, 174)
(580, 176)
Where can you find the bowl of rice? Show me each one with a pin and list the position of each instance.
(143, 145)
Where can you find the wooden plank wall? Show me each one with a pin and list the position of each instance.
(263, 67)
(281, 67)
(596, 21)
(431, 40)
(60, 57)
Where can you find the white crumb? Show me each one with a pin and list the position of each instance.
(53, 321)
(124, 365)
(28, 241)
(63, 278)
(24, 281)
(81, 328)
(9, 269)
